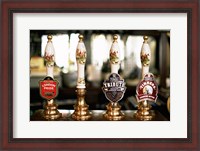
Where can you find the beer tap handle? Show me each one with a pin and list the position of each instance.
(49, 56)
(81, 59)
(145, 56)
(114, 55)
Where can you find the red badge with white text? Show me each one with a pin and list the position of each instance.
(147, 89)
(48, 88)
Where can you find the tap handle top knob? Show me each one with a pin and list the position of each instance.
(80, 38)
(145, 39)
(115, 37)
(49, 37)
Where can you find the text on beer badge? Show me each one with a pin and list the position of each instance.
(114, 88)
(147, 89)
(48, 88)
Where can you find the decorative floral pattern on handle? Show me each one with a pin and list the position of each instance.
(145, 59)
(49, 60)
(49, 52)
(81, 56)
(81, 81)
(114, 57)
(145, 54)
(114, 51)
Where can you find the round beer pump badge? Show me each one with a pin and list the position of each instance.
(114, 88)
(48, 88)
(147, 89)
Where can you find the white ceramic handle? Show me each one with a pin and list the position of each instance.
(114, 55)
(49, 57)
(145, 56)
(81, 59)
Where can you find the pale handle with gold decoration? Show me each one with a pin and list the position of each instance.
(81, 60)
(114, 55)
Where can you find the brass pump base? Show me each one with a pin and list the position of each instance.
(113, 112)
(81, 112)
(50, 112)
(144, 112)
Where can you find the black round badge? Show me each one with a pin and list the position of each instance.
(114, 88)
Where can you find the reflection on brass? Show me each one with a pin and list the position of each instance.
(80, 38)
(113, 112)
(49, 37)
(81, 112)
(50, 111)
(115, 37)
(97, 115)
(144, 112)
(145, 39)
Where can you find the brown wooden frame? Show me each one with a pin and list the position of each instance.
(8, 7)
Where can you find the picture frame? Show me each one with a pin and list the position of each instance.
(9, 8)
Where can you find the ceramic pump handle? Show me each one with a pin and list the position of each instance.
(81, 59)
(49, 56)
(145, 56)
(114, 55)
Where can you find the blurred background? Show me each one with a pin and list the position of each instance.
(97, 69)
